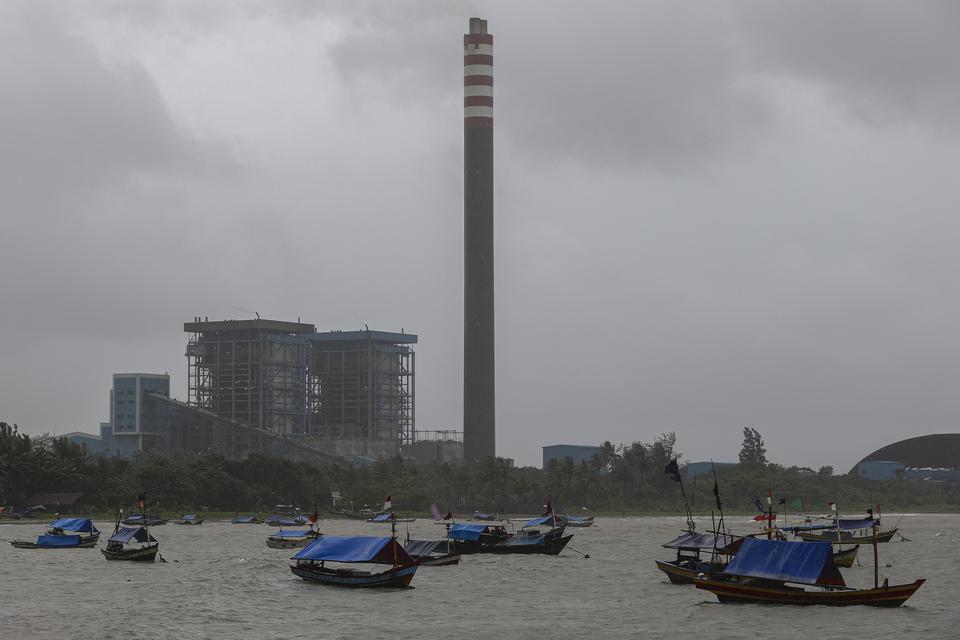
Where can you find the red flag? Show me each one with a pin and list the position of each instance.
(314, 517)
(549, 507)
(449, 516)
(387, 503)
(764, 516)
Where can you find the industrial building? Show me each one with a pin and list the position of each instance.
(352, 392)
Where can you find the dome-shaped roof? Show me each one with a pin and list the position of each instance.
(935, 450)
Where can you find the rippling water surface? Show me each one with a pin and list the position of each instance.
(221, 581)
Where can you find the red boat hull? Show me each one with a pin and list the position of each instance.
(886, 596)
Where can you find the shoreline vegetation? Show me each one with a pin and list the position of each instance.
(618, 482)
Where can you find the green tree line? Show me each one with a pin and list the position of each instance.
(619, 479)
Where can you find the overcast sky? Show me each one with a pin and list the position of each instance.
(708, 215)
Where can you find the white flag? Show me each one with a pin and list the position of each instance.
(387, 504)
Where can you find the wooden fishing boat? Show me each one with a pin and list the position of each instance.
(483, 515)
(64, 533)
(144, 520)
(846, 537)
(387, 518)
(845, 557)
(481, 538)
(688, 564)
(432, 553)
(286, 520)
(131, 543)
(190, 518)
(239, 519)
(311, 562)
(291, 539)
(765, 571)
(578, 521)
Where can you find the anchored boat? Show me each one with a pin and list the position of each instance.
(190, 518)
(347, 551)
(64, 533)
(766, 571)
(131, 543)
(291, 539)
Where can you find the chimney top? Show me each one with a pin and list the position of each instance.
(478, 25)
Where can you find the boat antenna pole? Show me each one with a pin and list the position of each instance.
(393, 535)
(876, 563)
(769, 513)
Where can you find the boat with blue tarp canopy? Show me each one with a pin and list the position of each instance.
(785, 561)
(762, 569)
(83, 525)
(190, 518)
(238, 519)
(469, 532)
(578, 521)
(539, 522)
(311, 561)
(483, 515)
(291, 538)
(691, 540)
(480, 538)
(281, 520)
(131, 534)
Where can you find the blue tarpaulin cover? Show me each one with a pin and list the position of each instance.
(355, 549)
(856, 523)
(126, 534)
(576, 518)
(189, 516)
(480, 515)
(470, 532)
(285, 521)
(84, 525)
(426, 547)
(48, 540)
(513, 541)
(699, 541)
(292, 533)
(801, 562)
(244, 519)
(383, 517)
(536, 522)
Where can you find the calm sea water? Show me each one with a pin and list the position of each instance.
(221, 581)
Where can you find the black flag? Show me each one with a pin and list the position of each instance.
(783, 500)
(759, 505)
(673, 470)
(716, 494)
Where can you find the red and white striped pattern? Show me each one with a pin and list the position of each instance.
(478, 77)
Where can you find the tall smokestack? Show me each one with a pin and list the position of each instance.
(479, 417)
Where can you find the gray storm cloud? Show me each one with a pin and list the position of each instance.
(707, 217)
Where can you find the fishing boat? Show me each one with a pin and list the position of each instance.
(286, 520)
(311, 562)
(483, 515)
(190, 518)
(848, 532)
(239, 519)
(578, 521)
(387, 518)
(846, 557)
(131, 543)
(144, 520)
(287, 539)
(483, 538)
(64, 533)
(689, 564)
(432, 553)
(766, 571)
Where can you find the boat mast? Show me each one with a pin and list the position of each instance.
(876, 563)
(769, 513)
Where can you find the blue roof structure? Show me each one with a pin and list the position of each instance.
(542, 520)
(383, 517)
(244, 519)
(784, 561)
(700, 541)
(471, 532)
(856, 523)
(383, 550)
(128, 534)
(290, 533)
(48, 540)
(83, 525)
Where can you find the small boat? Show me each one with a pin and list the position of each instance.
(845, 557)
(190, 518)
(482, 515)
(64, 533)
(688, 564)
(844, 537)
(387, 518)
(144, 520)
(291, 539)
(239, 519)
(311, 562)
(482, 538)
(432, 553)
(765, 571)
(578, 521)
(286, 520)
(131, 543)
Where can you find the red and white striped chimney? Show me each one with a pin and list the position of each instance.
(478, 75)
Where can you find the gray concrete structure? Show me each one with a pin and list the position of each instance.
(479, 408)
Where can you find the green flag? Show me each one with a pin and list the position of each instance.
(798, 504)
